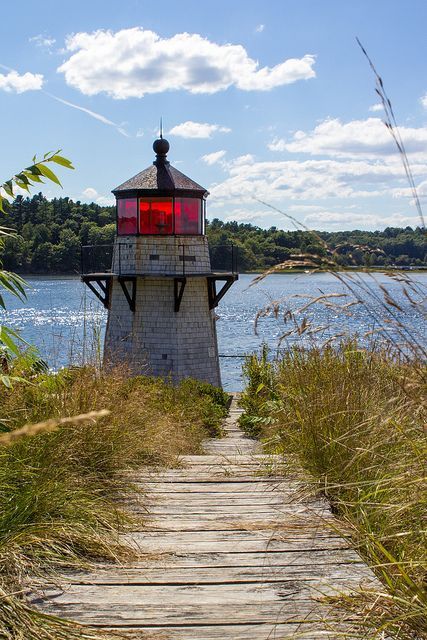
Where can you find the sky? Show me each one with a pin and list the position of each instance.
(267, 101)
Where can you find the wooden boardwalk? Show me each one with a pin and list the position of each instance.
(229, 552)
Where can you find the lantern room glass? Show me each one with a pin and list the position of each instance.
(188, 216)
(155, 216)
(160, 216)
(127, 216)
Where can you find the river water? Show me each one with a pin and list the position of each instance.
(66, 322)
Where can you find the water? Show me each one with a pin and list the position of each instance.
(66, 321)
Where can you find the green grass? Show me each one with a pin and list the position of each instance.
(60, 492)
(354, 419)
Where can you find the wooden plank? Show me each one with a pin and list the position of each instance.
(144, 544)
(281, 510)
(222, 575)
(252, 487)
(191, 476)
(281, 521)
(248, 559)
(131, 596)
(206, 459)
(204, 498)
(168, 615)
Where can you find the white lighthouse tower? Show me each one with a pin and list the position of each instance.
(158, 283)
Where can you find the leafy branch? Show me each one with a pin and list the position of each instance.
(37, 172)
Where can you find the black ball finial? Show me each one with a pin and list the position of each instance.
(161, 147)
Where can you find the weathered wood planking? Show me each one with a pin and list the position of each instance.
(229, 548)
(103, 613)
(220, 575)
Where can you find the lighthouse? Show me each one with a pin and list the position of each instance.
(160, 281)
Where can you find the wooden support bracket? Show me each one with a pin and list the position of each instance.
(101, 287)
(129, 295)
(178, 290)
(215, 296)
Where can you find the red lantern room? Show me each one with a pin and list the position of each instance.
(160, 201)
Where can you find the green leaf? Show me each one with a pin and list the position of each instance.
(8, 339)
(13, 283)
(6, 381)
(22, 177)
(34, 170)
(33, 176)
(22, 185)
(5, 207)
(62, 161)
(48, 173)
(8, 187)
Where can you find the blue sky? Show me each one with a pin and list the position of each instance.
(270, 100)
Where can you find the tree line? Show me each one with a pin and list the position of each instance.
(50, 233)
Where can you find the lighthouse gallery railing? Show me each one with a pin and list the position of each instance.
(98, 259)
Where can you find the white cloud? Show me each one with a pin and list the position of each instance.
(135, 62)
(14, 82)
(92, 114)
(248, 158)
(312, 180)
(368, 138)
(423, 101)
(376, 107)
(105, 201)
(90, 193)
(406, 192)
(213, 158)
(140, 133)
(278, 144)
(260, 28)
(192, 129)
(255, 216)
(43, 41)
(350, 220)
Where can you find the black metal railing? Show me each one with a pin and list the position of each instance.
(224, 258)
(98, 259)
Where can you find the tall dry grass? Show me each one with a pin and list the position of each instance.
(354, 419)
(61, 490)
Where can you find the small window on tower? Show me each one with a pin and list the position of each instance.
(127, 216)
(155, 216)
(188, 216)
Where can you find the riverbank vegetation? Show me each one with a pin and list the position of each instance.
(61, 491)
(50, 234)
(354, 419)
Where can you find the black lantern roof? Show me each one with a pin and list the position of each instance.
(161, 178)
